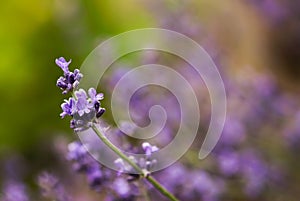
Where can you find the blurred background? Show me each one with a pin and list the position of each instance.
(255, 44)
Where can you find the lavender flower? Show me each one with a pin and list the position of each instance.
(100, 178)
(63, 64)
(255, 172)
(95, 101)
(68, 107)
(149, 149)
(51, 188)
(124, 189)
(95, 98)
(70, 80)
(84, 163)
(83, 109)
(82, 104)
(15, 191)
(121, 186)
(95, 176)
(79, 155)
(80, 107)
(228, 162)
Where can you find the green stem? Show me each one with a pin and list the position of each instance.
(146, 175)
(160, 188)
(116, 150)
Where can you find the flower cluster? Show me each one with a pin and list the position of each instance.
(81, 107)
(15, 191)
(70, 80)
(102, 179)
(85, 108)
(51, 188)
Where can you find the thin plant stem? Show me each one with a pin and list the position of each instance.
(146, 175)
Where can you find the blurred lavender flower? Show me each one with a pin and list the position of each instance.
(191, 184)
(149, 149)
(95, 176)
(84, 163)
(274, 10)
(233, 132)
(14, 191)
(228, 162)
(124, 189)
(51, 188)
(206, 186)
(79, 155)
(255, 172)
(99, 178)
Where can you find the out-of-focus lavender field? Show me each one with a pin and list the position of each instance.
(254, 44)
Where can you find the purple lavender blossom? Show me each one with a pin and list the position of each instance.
(255, 172)
(82, 104)
(15, 191)
(121, 186)
(99, 178)
(125, 190)
(51, 187)
(79, 155)
(68, 107)
(233, 132)
(95, 176)
(95, 101)
(94, 96)
(149, 149)
(82, 108)
(204, 184)
(70, 80)
(84, 163)
(63, 64)
(228, 162)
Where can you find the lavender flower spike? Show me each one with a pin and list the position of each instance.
(63, 64)
(70, 80)
(68, 107)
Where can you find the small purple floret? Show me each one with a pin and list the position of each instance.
(70, 80)
(68, 107)
(63, 64)
(149, 149)
(82, 104)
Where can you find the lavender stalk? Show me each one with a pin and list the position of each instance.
(85, 108)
